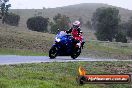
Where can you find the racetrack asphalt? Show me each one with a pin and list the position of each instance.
(14, 59)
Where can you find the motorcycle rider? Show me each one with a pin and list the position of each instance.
(76, 32)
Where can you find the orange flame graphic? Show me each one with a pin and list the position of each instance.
(82, 71)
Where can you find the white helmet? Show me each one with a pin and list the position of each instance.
(76, 24)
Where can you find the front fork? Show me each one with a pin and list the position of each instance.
(58, 46)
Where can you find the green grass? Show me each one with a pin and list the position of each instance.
(21, 52)
(59, 75)
(112, 48)
(108, 50)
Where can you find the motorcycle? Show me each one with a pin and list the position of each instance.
(64, 46)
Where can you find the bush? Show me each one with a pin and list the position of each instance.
(121, 37)
(37, 24)
(12, 19)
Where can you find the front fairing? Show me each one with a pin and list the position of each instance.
(60, 36)
(63, 38)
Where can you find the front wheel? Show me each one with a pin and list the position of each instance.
(53, 52)
(76, 53)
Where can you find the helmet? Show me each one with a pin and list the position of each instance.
(76, 24)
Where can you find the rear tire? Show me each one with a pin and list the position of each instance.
(53, 52)
(76, 53)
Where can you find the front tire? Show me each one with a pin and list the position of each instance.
(53, 52)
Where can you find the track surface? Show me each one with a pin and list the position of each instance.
(13, 59)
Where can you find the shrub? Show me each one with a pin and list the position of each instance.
(37, 24)
(12, 19)
(121, 37)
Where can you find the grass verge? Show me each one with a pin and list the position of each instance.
(59, 75)
(21, 52)
(108, 50)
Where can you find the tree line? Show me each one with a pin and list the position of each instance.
(106, 21)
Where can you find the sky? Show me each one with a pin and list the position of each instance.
(39, 4)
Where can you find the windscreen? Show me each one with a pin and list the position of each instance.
(62, 33)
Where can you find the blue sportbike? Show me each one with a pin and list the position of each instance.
(64, 46)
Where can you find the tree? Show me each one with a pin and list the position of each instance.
(105, 21)
(37, 24)
(126, 27)
(61, 22)
(123, 26)
(57, 18)
(4, 7)
(129, 27)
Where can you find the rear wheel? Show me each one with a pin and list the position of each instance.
(53, 52)
(76, 53)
